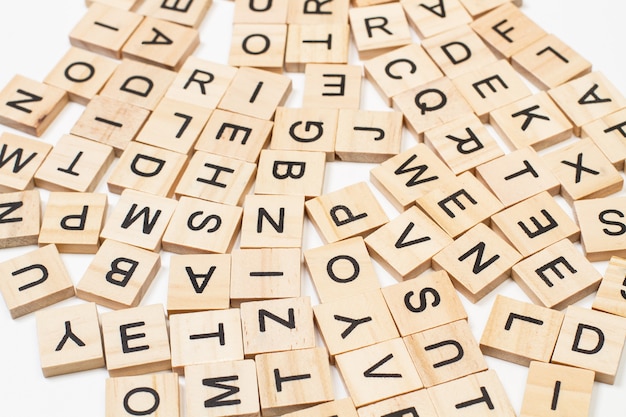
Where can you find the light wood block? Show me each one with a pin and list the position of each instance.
(157, 394)
(378, 28)
(293, 380)
(378, 372)
(517, 176)
(445, 353)
(274, 221)
(368, 136)
(409, 175)
(424, 303)
(222, 389)
(323, 43)
(591, 340)
(261, 11)
(234, 135)
(337, 408)
(458, 205)
(318, 12)
(535, 224)
(277, 325)
(355, 321)
(119, 275)
(477, 395)
(557, 390)
(200, 226)
(601, 228)
(30, 106)
(256, 93)
(610, 296)
(20, 218)
(198, 282)
(557, 276)
(458, 51)
(333, 86)
(39, 279)
(20, 157)
(81, 73)
(72, 221)
(110, 122)
(120, 4)
(258, 45)
(533, 121)
(216, 178)
(479, 7)
(290, 173)
(189, 13)
(348, 212)
(414, 403)
(139, 219)
(405, 245)
(341, 269)
(433, 19)
(69, 340)
(609, 135)
(399, 70)
(477, 262)
(204, 337)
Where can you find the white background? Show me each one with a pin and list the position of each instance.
(34, 36)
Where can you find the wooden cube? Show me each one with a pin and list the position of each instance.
(431, 20)
(338, 408)
(258, 45)
(290, 173)
(601, 230)
(609, 297)
(301, 12)
(379, 28)
(191, 13)
(20, 157)
(275, 221)
(332, 86)
(608, 134)
(20, 218)
(323, 43)
(252, 12)
(156, 394)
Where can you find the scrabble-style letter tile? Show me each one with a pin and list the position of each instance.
(151, 394)
(332, 86)
(414, 403)
(314, 13)
(20, 157)
(601, 228)
(610, 297)
(20, 218)
(275, 221)
(189, 13)
(378, 28)
(609, 135)
(431, 20)
(323, 43)
(480, 7)
(259, 46)
(290, 173)
(260, 12)
(337, 408)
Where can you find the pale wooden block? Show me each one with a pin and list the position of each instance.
(81, 73)
(601, 227)
(463, 144)
(520, 332)
(477, 395)
(104, 29)
(20, 218)
(120, 4)
(587, 98)
(458, 205)
(204, 337)
(400, 70)
(222, 389)
(405, 245)
(139, 219)
(234, 135)
(534, 224)
(198, 282)
(378, 28)
(424, 303)
(340, 269)
(200, 226)
(69, 339)
(445, 353)
(409, 175)
(119, 275)
(72, 221)
(333, 86)
(557, 276)
(256, 93)
(431, 20)
(479, 7)
(261, 12)
(532, 121)
(190, 13)
(609, 135)
(258, 45)
(30, 106)
(157, 394)
(265, 273)
(337, 408)
(287, 172)
(557, 390)
(313, 13)
(277, 325)
(414, 403)
(354, 321)
(368, 136)
(378, 372)
(477, 262)
(216, 178)
(517, 176)
(348, 212)
(323, 43)
(38, 279)
(610, 295)
(20, 157)
(275, 221)
(591, 340)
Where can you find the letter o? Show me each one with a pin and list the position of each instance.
(265, 48)
(148, 390)
(76, 79)
(334, 277)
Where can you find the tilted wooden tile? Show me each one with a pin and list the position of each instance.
(247, 11)
(479, 7)
(414, 403)
(405, 245)
(378, 28)
(120, 4)
(423, 303)
(20, 218)
(69, 339)
(20, 157)
(38, 279)
(290, 173)
(557, 276)
(258, 45)
(557, 390)
(333, 86)
(378, 372)
(119, 275)
(337, 408)
(601, 227)
(431, 20)
(30, 106)
(156, 394)
(477, 262)
(591, 340)
(609, 135)
(364, 3)
(190, 13)
(314, 13)
(323, 43)
(275, 221)
(610, 296)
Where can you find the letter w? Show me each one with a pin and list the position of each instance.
(17, 155)
(218, 400)
(415, 180)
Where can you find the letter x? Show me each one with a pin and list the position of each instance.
(579, 167)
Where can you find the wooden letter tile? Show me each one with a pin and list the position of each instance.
(332, 86)
(274, 11)
(314, 13)
(414, 403)
(378, 28)
(324, 43)
(431, 20)
(151, 394)
(337, 408)
(609, 135)
(260, 46)
(189, 13)
(275, 221)
(610, 296)
(290, 173)
(120, 4)
(20, 218)
(601, 228)
(20, 157)
(480, 7)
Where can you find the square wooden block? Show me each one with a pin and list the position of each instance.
(270, 12)
(431, 20)
(610, 297)
(38, 279)
(303, 12)
(20, 218)
(69, 339)
(601, 228)
(479, 7)
(258, 45)
(137, 395)
(378, 28)
(333, 86)
(609, 134)
(190, 13)
(414, 403)
(338, 408)
(424, 303)
(119, 275)
(591, 340)
(20, 157)
(557, 276)
(323, 43)
(275, 221)
(290, 173)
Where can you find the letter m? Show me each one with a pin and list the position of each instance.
(17, 154)
(148, 223)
